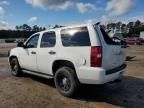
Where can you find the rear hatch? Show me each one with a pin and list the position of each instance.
(113, 55)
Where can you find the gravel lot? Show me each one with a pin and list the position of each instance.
(34, 92)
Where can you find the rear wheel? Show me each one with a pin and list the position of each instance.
(66, 81)
(15, 67)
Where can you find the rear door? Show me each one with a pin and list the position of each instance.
(113, 53)
(46, 52)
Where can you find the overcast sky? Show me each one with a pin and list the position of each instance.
(44, 12)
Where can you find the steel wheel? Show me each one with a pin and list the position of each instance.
(65, 81)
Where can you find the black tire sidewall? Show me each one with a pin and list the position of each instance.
(18, 72)
(68, 72)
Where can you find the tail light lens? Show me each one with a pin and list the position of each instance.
(96, 56)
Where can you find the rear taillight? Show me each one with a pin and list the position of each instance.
(96, 56)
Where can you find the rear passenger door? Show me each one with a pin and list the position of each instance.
(46, 52)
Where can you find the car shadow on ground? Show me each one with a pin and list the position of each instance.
(128, 93)
(49, 82)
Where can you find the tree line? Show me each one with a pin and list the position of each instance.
(130, 29)
(22, 31)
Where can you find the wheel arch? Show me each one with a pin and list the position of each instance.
(11, 57)
(59, 63)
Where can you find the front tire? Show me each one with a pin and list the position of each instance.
(66, 81)
(15, 67)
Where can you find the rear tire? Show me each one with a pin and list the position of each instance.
(66, 81)
(15, 67)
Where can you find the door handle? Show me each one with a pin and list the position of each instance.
(33, 52)
(52, 52)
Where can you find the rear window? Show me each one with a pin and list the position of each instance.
(107, 39)
(78, 36)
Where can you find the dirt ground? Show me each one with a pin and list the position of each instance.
(34, 92)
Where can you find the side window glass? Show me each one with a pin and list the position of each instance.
(48, 40)
(32, 43)
(75, 37)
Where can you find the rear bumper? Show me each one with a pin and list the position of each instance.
(117, 69)
(90, 75)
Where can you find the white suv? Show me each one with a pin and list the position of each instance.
(80, 54)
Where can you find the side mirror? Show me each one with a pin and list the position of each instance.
(20, 44)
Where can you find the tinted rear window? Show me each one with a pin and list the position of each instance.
(75, 37)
